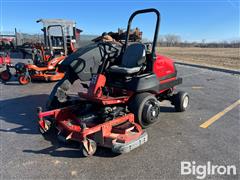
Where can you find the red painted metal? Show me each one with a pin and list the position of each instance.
(96, 85)
(122, 129)
(163, 66)
(105, 100)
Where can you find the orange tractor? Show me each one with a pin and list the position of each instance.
(60, 40)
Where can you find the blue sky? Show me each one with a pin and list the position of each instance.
(213, 20)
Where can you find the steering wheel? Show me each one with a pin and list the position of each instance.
(107, 51)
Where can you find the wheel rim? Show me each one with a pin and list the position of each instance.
(185, 102)
(150, 111)
(24, 79)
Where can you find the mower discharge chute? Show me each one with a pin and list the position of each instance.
(123, 97)
(59, 41)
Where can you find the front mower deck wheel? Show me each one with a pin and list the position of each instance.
(181, 101)
(89, 147)
(146, 109)
(5, 76)
(47, 128)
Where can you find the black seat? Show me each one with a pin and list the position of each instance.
(132, 61)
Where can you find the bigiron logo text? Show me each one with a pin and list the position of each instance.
(203, 170)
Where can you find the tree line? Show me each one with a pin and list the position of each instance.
(171, 40)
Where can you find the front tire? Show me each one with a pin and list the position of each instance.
(181, 101)
(24, 79)
(146, 109)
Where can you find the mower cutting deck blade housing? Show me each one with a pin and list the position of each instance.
(121, 134)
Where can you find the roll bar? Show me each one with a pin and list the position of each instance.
(150, 10)
(63, 35)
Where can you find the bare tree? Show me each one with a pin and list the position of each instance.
(203, 43)
(172, 40)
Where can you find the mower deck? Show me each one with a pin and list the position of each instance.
(121, 134)
(48, 76)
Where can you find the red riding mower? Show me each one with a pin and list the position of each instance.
(5, 59)
(59, 37)
(123, 97)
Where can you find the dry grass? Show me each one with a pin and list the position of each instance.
(217, 57)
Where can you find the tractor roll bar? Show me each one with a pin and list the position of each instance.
(151, 10)
(63, 35)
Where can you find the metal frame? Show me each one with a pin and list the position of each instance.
(63, 35)
(58, 22)
(151, 10)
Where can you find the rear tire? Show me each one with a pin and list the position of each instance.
(6, 76)
(146, 109)
(181, 101)
(24, 79)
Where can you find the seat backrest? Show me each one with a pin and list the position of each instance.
(134, 55)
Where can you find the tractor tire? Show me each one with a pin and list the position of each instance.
(5, 76)
(181, 101)
(146, 109)
(24, 79)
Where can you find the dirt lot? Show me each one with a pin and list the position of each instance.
(217, 57)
